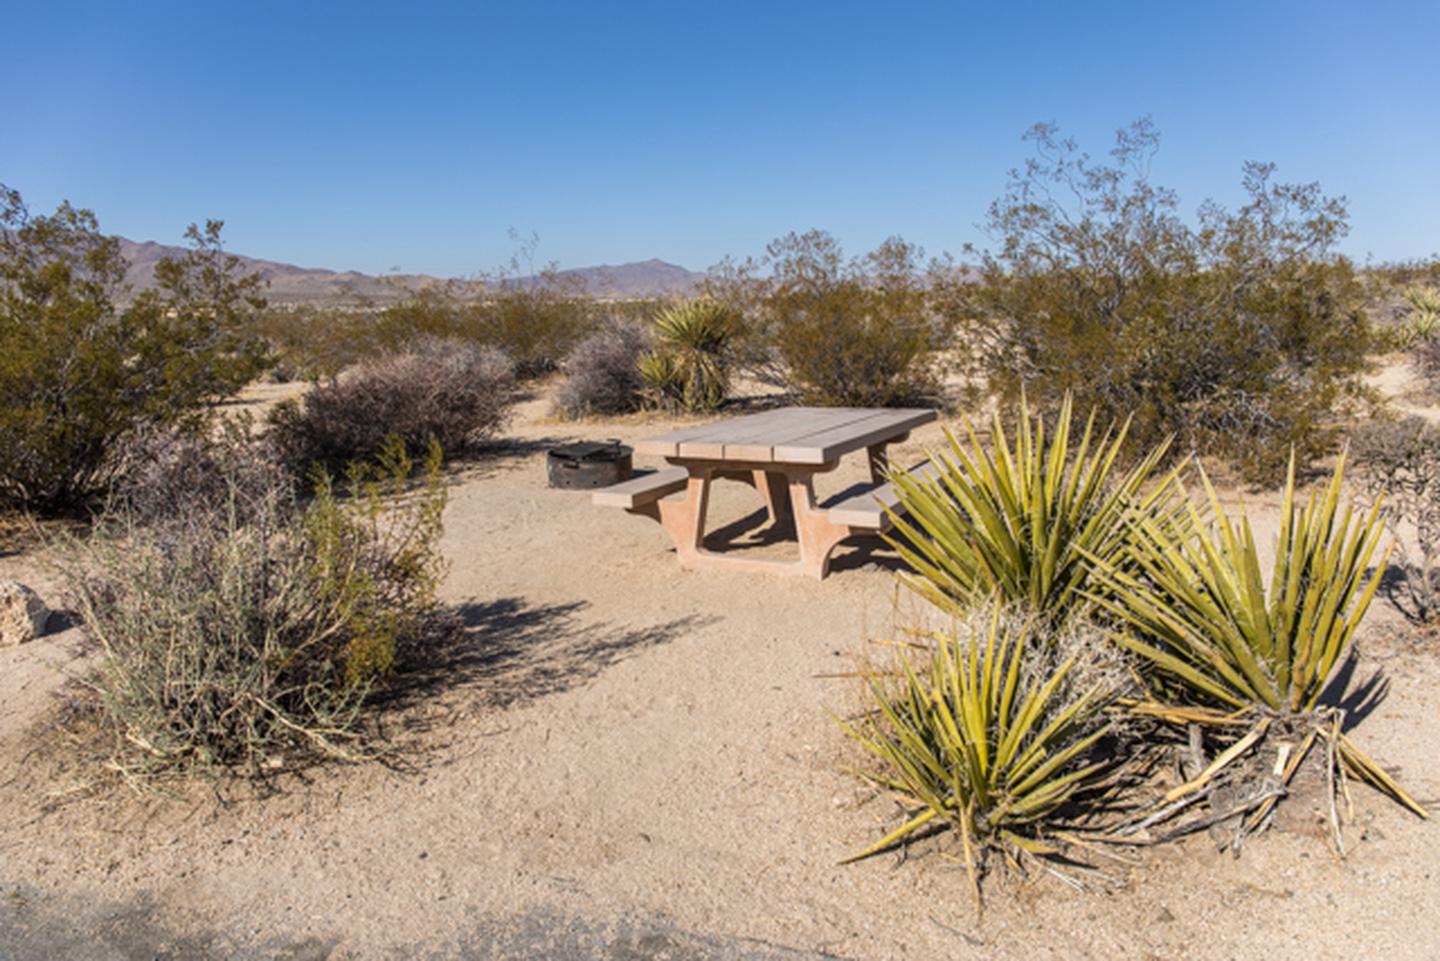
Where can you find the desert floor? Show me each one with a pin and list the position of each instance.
(629, 761)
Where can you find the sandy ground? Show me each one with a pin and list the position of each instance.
(630, 761)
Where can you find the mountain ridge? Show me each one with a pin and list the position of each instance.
(291, 284)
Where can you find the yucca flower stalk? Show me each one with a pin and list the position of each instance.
(1025, 520)
(1222, 647)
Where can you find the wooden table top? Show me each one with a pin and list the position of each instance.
(788, 435)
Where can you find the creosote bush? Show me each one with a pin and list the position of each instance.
(602, 373)
(536, 322)
(446, 391)
(1242, 335)
(833, 332)
(81, 372)
(248, 631)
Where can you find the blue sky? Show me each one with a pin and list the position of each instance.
(372, 136)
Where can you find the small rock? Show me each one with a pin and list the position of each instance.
(22, 614)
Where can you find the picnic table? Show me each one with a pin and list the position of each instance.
(779, 452)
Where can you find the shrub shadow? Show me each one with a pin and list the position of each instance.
(507, 652)
(1360, 701)
(1398, 587)
(502, 454)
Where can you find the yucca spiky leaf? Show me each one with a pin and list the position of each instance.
(1199, 608)
(694, 336)
(993, 737)
(1220, 638)
(1022, 521)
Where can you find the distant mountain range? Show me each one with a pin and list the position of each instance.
(289, 284)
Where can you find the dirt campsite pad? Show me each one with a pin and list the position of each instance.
(624, 760)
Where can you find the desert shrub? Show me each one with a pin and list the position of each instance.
(446, 391)
(1418, 331)
(1246, 654)
(602, 373)
(995, 731)
(1243, 335)
(315, 343)
(249, 630)
(536, 321)
(79, 372)
(834, 332)
(694, 372)
(1025, 521)
(1397, 465)
(537, 324)
(437, 311)
(168, 474)
(1425, 354)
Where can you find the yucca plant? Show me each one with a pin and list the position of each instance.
(695, 336)
(1424, 317)
(1025, 520)
(660, 384)
(994, 737)
(1251, 663)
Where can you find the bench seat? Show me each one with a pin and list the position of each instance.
(866, 510)
(642, 488)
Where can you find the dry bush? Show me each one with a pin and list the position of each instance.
(448, 391)
(168, 474)
(1399, 464)
(602, 373)
(1426, 355)
(248, 630)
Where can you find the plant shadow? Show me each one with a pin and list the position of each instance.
(1357, 701)
(502, 454)
(508, 652)
(1402, 586)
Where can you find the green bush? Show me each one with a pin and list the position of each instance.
(836, 333)
(79, 372)
(1242, 336)
(537, 322)
(316, 343)
(249, 630)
